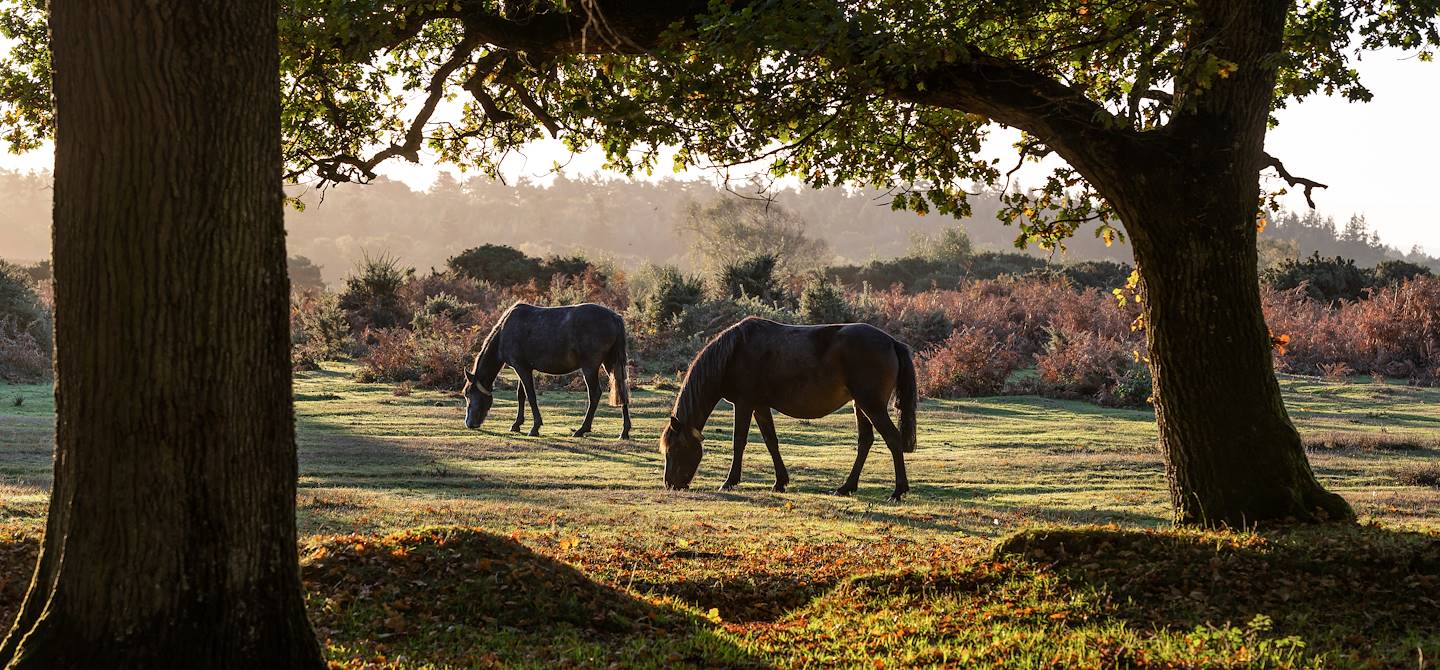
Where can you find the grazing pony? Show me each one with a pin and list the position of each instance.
(553, 340)
(805, 372)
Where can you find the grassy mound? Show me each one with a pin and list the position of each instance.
(468, 598)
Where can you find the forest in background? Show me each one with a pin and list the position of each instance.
(630, 223)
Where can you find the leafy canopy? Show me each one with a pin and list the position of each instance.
(894, 93)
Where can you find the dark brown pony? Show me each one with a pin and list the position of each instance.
(553, 340)
(803, 371)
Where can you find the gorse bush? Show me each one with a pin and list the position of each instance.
(823, 301)
(372, 298)
(753, 276)
(1337, 279)
(25, 326)
(319, 330)
(22, 359)
(441, 306)
(20, 301)
(659, 294)
(497, 264)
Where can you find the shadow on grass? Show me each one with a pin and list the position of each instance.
(1348, 590)
(465, 597)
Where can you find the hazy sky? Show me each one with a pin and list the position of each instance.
(1381, 159)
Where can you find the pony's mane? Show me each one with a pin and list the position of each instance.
(487, 347)
(706, 370)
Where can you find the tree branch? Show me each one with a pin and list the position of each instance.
(1309, 184)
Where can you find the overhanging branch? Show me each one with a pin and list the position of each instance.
(1308, 184)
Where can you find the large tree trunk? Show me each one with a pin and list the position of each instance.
(171, 535)
(1232, 455)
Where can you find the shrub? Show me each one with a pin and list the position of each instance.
(971, 362)
(592, 285)
(20, 302)
(1079, 363)
(1104, 275)
(1132, 388)
(22, 359)
(319, 330)
(438, 306)
(753, 276)
(1328, 280)
(304, 275)
(1391, 273)
(371, 298)
(443, 352)
(496, 263)
(824, 301)
(659, 293)
(391, 357)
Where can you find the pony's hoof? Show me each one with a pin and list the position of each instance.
(625, 436)
(534, 432)
(897, 496)
(779, 487)
(579, 432)
(515, 428)
(729, 486)
(844, 491)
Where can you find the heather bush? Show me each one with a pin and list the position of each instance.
(390, 357)
(482, 295)
(1394, 332)
(590, 285)
(917, 320)
(443, 351)
(970, 362)
(1087, 364)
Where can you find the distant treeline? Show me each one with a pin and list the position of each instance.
(630, 223)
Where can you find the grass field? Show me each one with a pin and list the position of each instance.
(591, 562)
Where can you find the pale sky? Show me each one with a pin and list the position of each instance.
(1381, 159)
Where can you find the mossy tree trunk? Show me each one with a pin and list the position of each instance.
(171, 538)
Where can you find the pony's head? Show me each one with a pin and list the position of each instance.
(477, 401)
(681, 448)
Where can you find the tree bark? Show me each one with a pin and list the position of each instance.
(171, 536)
(1231, 456)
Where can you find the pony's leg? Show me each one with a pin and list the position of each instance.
(862, 451)
(625, 413)
(879, 415)
(772, 442)
(519, 408)
(742, 435)
(527, 381)
(592, 386)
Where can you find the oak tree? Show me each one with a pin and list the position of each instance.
(171, 538)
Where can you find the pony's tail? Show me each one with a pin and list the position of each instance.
(619, 387)
(906, 396)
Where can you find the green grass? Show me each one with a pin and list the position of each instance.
(752, 577)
